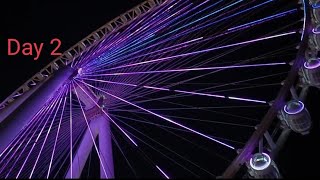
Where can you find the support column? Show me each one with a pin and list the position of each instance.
(15, 122)
(105, 147)
(83, 152)
(100, 126)
(4, 113)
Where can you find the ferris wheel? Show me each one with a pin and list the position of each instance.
(171, 88)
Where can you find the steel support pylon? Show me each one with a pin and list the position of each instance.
(21, 115)
(99, 126)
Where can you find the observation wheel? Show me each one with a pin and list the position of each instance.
(169, 89)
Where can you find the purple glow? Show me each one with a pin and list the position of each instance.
(163, 172)
(156, 88)
(211, 49)
(45, 139)
(132, 48)
(193, 28)
(192, 69)
(111, 82)
(181, 91)
(51, 107)
(316, 5)
(201, 94)
(162, 117)
(43, 110)
(91, 134)
(71, 154)
(245, 99)
(312, 64)
(34, 121)
(293, 107)
(109, 117)
(123, 131)
(315, 31)
(184, 33)
(17, 95)
(264, 19)
(80, 71)
(171, 48)
(22, 137)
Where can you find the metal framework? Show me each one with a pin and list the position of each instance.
(47, 81)
(98, 119)
(262, 129)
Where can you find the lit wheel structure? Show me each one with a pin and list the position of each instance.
(162, 83)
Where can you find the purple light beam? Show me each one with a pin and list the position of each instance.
(245, 99)
(162, 117)
(181, 91)
(190, 69)
(208, 50)
(56, 139)
(52, 107)
(71, 154)
(91, 134)
(200, 94)
(109, 117)
(46, 137)
(162, 172)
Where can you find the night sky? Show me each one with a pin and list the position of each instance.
(40, 21)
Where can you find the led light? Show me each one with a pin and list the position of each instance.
(293, 107)
(315, 31)
(260, 161)
(313, 64)
(316, 5)
(80, 71)
(162, 172)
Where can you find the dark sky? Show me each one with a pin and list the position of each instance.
(70, 21)
(41, 21)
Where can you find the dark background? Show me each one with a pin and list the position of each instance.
(70, 21)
